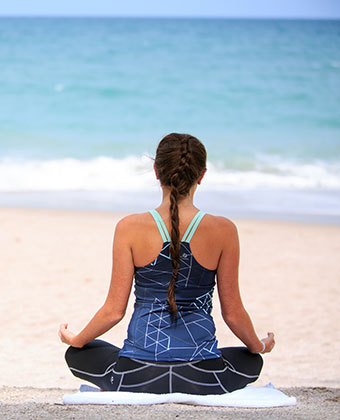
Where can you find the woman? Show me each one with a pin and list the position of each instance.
(174, 253)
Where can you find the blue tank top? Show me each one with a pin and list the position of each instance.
(153, 334)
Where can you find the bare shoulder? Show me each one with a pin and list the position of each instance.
(132, 222)
(222, 234)
(221, 225)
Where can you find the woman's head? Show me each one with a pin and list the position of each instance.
(180, 162)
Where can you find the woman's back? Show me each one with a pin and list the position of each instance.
(174, 255)
(206, 244)
(155, 334)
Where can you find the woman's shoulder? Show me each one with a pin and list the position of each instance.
(220, 224)
(133, 221)
(221, 234)
(215, 226)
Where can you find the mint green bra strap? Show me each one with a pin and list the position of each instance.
(161, 226)
(189, 233)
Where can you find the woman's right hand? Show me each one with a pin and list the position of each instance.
(65, 335)
(269, 342)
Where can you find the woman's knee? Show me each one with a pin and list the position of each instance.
(258, 360)
(241, 356)
(255, 360)
(70, 355)
(94, 349)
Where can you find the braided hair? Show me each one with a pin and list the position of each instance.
(180, 161)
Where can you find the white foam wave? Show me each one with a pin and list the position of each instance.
(136, 174)
(102, 173)
(281, 175)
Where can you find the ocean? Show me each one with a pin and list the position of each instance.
(85, 101)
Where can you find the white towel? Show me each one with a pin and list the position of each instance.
(250, 397)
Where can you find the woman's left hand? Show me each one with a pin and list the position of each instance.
(65, 335)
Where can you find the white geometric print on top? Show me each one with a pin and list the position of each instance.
(154, 333)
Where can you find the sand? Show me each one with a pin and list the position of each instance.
(55, 267)
(37, 404)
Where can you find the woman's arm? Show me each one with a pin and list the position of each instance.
(115, 304)
(233, 311)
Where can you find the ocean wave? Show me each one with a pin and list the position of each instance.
(278, 173)
(135, 173)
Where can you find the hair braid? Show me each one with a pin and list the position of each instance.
(180, 161)
(174, 248)
(178, 188)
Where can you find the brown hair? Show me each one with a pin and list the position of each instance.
(180, 161)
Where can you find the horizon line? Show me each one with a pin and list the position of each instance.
(102, 16)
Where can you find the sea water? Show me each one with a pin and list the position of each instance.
(84, 102)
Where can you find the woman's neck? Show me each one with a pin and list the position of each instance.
(186, 202)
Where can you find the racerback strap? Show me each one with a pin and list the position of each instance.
(161, 226)
(189, 233)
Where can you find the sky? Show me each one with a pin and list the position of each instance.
(174, 8)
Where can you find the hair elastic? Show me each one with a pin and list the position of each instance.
(264, 347)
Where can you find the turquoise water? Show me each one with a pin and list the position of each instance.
(83, 101)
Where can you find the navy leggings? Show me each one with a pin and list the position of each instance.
(99, 362)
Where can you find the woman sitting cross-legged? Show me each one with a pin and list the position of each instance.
(173, 254)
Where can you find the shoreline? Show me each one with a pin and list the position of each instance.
(56, 266)
(320, 207)
(304, 220)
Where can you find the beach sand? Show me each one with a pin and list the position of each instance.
(55, 267)
(38, 404)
